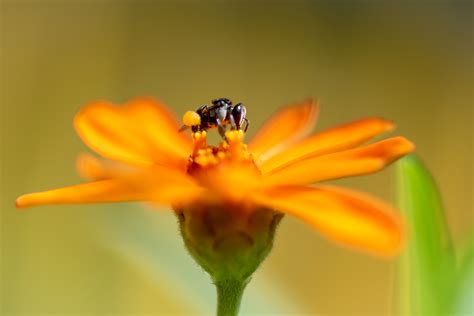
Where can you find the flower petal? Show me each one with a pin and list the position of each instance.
(288, 125)
(159, 125)
(141, 132)
(171, 188)
(111, 190)
(231, 181)
(90, 167)
(334, 139)
(353, 162)
(348, 217)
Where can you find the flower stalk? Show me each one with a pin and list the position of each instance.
(229, 296)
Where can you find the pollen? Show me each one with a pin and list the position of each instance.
(200, 142)
(199, 136)
(191, 118)
(235, 136)
(221, 155)
(230, 151)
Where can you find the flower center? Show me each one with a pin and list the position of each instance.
(228, 168)
(232, 151)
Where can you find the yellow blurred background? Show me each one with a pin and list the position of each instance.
(410, 61)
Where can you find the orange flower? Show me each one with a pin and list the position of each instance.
(148, 160)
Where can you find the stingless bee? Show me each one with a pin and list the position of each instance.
(220, 114)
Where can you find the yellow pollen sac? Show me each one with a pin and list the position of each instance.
(229, 152)
(203, 161)
(199, 141)
(221, 155)
(235, 136)
(235, 147)
(213, 160)
(199, 136)
(191, 118)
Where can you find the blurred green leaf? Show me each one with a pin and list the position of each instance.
(464, 304)
(428, 270)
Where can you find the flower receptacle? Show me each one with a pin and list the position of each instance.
(229, 241)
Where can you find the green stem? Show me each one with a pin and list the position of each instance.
(229, 295)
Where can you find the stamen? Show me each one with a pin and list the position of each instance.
(203, 161)
(221, 155)
(232, 150)
(235, 136)
(200, 141)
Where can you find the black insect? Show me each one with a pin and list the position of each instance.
(220, 114)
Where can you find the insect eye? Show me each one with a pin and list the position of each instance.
(191, 118)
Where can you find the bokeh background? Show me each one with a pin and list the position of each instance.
(410, 61)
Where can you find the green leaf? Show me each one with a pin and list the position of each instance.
(464, 304)
(427, 270)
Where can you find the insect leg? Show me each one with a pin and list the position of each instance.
(202, 108)
(221, 115)
(247, 124)
(220, 128)
(183, 128)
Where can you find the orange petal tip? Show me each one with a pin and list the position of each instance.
(404, 145)
(394, 148)
(20, 202)
(381, 125)
(388, 125)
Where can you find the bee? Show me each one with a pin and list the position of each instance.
(220, 114)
